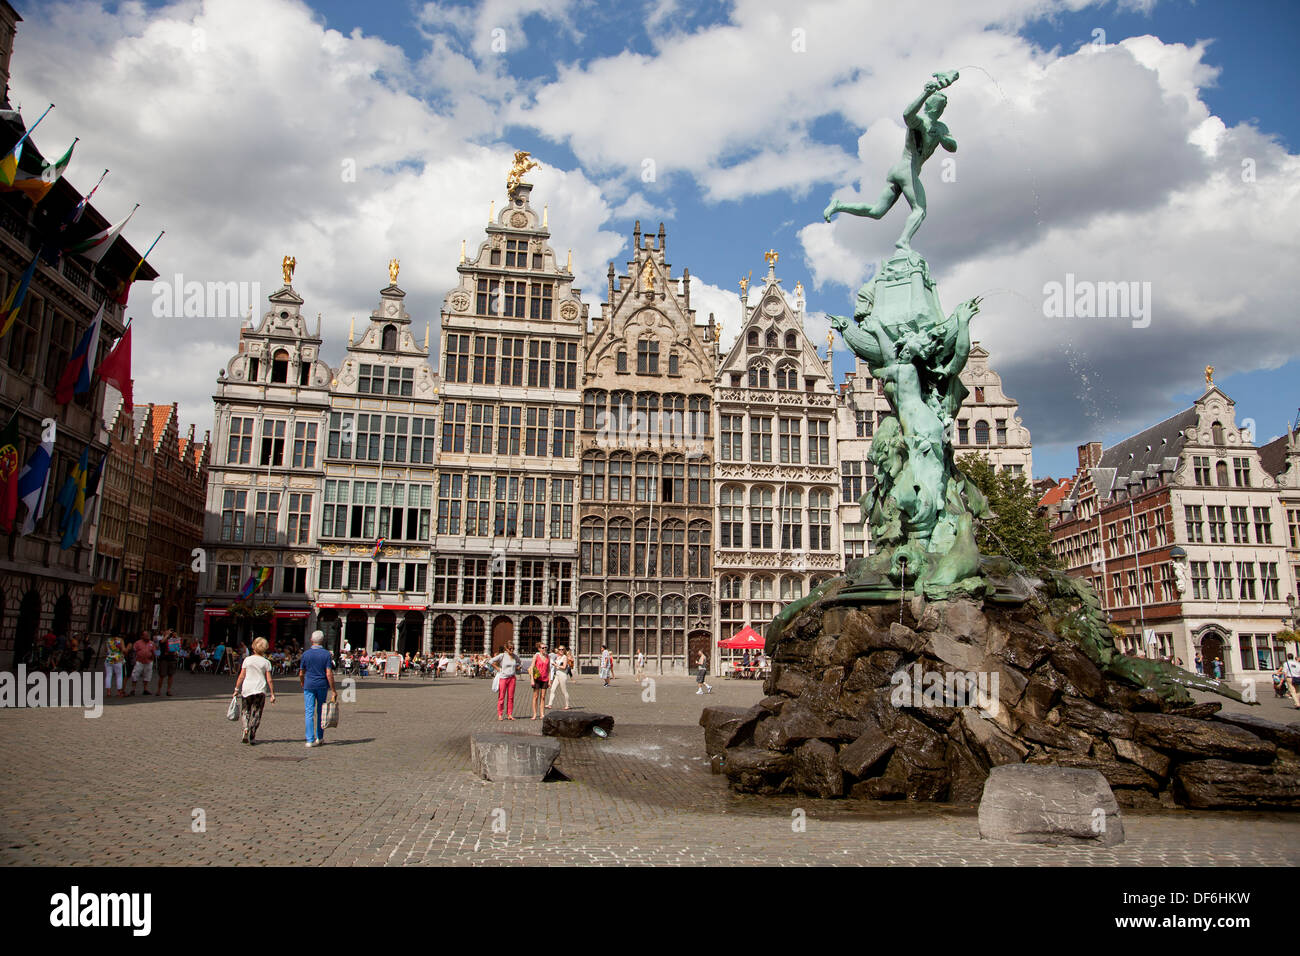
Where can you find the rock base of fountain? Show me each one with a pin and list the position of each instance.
(919, 701)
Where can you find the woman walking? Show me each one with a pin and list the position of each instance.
(252, 687)
(540, 674)
(113, 661)
(560, 676)
(606, 664)
(702, 665)
(506, 665)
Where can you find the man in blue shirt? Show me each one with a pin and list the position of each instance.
(316, 677)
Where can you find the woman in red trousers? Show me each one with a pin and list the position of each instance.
(506, 665)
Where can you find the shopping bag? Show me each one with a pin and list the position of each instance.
(232, 711)
(329, 713)
(496, 683)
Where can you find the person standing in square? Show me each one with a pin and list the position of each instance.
(316, 677)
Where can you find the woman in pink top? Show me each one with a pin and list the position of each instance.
(540, 672)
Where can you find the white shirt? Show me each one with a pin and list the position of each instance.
(1291, 667)
(256, 668)
(507, 663)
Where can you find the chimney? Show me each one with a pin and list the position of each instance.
(1090, 455)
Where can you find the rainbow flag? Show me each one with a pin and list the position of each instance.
(379, 546)
(254, 582)
(9, 164)
(35, 184)
(14, 301)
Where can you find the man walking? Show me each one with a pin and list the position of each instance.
(316, 678)
(1290, 671)
(143, 668)
(169, 652)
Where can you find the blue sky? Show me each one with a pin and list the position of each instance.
(591, 87)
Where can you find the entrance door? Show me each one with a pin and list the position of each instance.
(1211, 651)
(503, 632)
(698, 641)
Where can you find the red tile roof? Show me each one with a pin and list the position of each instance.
(1057, 494)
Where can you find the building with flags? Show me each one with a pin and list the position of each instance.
(265, 476)
(43, 586)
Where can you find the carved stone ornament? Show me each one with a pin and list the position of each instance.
(460, 301)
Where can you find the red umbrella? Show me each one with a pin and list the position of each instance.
(745, 637)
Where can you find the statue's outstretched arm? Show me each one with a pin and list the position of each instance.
(910, 114)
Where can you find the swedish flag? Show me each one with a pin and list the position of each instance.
(73, 499)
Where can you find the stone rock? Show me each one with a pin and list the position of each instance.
(846, 730)
(817, 770)
(899, 637)
(874, 670)
(1202, 738)
(822, 650)
(1063, 738)
(963, 657)
(751, 770)
(868, 750)
(1197, 711)
(1039, 697)
(795, 724)
(990, 741)
(791, 681)
(1117, 773)
(964, 619)
(968, 773)
(723, 726)
(1077, 669)
(1078, 712)
(1284, 735)
(1208, 784)
(915, 782)
(918, 743)
(1053, 805)
(575, 723)
(1019, 645)
(1011, 685)
(498, 756)
(1146, 758)
(774, 703)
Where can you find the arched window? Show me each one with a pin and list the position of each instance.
(674, 422)
(647, 477)
(593, 409)
(758, 376)
(619, 552)
(390, 338)
(819, 519)
(699, 543)
(791, 341)
(591, 557)
(752, 339)
(593, 476)
(731, 604)
(591, 625)
(674, 549)
(787, 377)
(672, 626)
(444, 635)
(618, 625)
(647, 414)
(1221, 474)
(791, 588)
(645, 625)
(620, 477)
(645, 557)
(1217, 430)
(792, 520)
(280, 366)
(621, 409)
(760, 518)
(698, 426)
(762, 600)
(770, 339)
(530, 634)
(731, 516)
(472, 635)
(981, 433)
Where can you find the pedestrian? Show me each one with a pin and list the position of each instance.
(702, 670)
(1290, 670)
(169, 653)
(640, 666)
(217, 653)
(87, 654)
(113, 662)
(506, 664)
(540, 675)
(316, 678)
(1218, 668)
(253, 686)
(606, 665)
(1200, 664)
(143, 668)
(560, 676)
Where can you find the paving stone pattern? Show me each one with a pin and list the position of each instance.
(393, 786)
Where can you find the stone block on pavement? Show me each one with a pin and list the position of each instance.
(1054, 805)
(575, 723)
(498, 756)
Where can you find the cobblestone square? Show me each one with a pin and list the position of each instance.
(392, 786)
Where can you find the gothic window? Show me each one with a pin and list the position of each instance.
(758, 376)
(752, 339)
(981, 433)
(390, 338)
(280, 367)
(770, 339)
(791, 341)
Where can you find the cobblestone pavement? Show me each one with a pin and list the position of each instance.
(392, 786)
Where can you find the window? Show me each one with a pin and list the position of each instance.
(1246, 577)
(534, 508)
(304, 444)
(266, 517)
(539, 363)
(1002, 430)
(850, 480)
(762, 605)
(760, 518)
(370, 380)
(476, 581)
(227, 577)
(674, 549)
(455, 361)
(620, 548)
(646, 478)
(733, 435)
(1293, 527)
(790, 451)
(1263, 525)
(593, 478)
(234, 504)
(981, 433)
(591, 554)
(819, 519)
(1241, 472)
(280, 367)
(792, 520)
(562, 510)
(1221, 474)
(770, 339)
(478, 506)
(254, 369)
(759, 376)
(1200, 580)
(699, 478)
(645, 550)
(516, 253)
(1201, 468)
(647, 357)
(593, 410)
(647, 418)
(239, 450)
(963, 430)
(1223, 580)
(819, 441)
(294, 581)
(400, 381)
(484, 304)
(787, 377)
(732, 517)
(1218, 526)
(449, 503)
(509, 423)
(512, 361)
(620, 477)
(865, 422)
(760, 439)
(369, 432)
(1269, 580)
(535, 431)
(445, 585)
(485, 360)
(698, 544)
(674, 366)
(1195, 529)
(540, 301)
(1240, 525)
(621, 362)
(674, 481)
(304, 372)
(979, 393)
(731, 603)
(480, 430)
(505, 506)
(515, 295)
(453, 427)
(395, 437)
(388, 339)
(566, 364)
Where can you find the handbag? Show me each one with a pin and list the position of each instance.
(496, 683)
(232, 711)
(329, 713)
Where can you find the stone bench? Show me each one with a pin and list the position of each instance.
(575, 723)
(498, 756)
(1024, 803)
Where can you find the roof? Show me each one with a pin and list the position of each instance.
(1273, 455)
(1057, 494)
(1151, 447)
(161, 417)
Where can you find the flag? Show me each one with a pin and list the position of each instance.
(73, 499)
(254, 582)
(9, 474)
(14, 301)
(379, 545)
(123, 291)
(34, 480)
(94, 247)
(116, 368)
(93, 479)
(75, 379)
(52, 246)
(35, 184)
(9, 165)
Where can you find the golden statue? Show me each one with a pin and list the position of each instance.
(744, 283)
(798, 289)
(717, 332)
(287, 267)
(1209, 376)
(522, 164)
(648, 276)
(771, 256)
(393, 266)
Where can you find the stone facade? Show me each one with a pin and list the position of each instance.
(512, 350)
(266, 475)
(646, 497)
(1182, 533)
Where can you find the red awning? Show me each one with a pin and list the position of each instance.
(746, 637)
(371, 607)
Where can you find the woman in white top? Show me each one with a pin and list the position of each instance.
(506, 665)
(252, 687)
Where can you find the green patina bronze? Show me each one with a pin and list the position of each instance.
(921, 509)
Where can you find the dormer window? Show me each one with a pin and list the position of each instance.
(673, 364)
(1217, 430)
(390, 338)
(752, 339)
(280, 367)
(304, 373)
(253, 369)
(979, 393)
(791, 341)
